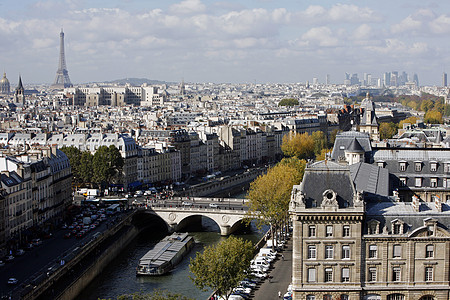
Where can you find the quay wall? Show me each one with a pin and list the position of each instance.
(100, 263)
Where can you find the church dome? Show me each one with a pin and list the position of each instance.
(4, 85)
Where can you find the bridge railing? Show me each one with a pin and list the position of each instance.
(241, 210)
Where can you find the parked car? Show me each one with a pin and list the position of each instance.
(36, 242)
(20, 252)
(12, 281)
(9, 258)
(67, 235)
(213, 205)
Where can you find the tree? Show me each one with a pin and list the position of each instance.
(387, 130)
(410, 120)
(85, 168)
(298, 145)
(222, 266)
(288, 102)
(74, 155)
(333, 137)
(433, 117)
(269, 194)
(107, 165)
(323, 154)
(320, 141)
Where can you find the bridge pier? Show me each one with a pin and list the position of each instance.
(225, 230)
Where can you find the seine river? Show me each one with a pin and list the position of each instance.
(119, 277)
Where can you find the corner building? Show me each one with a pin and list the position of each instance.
(347, 246)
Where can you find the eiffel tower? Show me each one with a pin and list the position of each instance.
(62, 79)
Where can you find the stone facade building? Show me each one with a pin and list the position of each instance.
(347, 245)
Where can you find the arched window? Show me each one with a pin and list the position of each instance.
(327, 297)
(427, 297)
(395, 297)
(372, 297)
(310, 297)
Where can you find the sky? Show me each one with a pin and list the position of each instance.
(228, 41)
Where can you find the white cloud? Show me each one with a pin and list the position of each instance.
(321, 36)
(407, 24)
(440, 25)
(338, 13)
(188, 7)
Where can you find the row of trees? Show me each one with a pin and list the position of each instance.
(100, 169)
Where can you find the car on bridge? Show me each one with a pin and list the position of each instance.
(187, 203)
(12, 281)
(214, 205)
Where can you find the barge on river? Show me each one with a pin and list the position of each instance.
(165, 255)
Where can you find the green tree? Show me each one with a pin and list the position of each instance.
(222, 266)
(426, 105)
(298, 145)
(85, 169)
(387, 130)
(332, 137)
(433, 117)
(74, 155)
(323, 154)
(107, 165)
(288, 102)
(320, 141)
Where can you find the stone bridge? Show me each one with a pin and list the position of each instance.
(228, 216)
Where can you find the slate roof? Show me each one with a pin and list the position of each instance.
(343, 141)
(325, 175)
(386, 212)
(371, 179)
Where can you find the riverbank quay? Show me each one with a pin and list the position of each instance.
(280, 277)
(79, 266)
(223, 186)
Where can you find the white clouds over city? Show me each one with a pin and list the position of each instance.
(222, 41)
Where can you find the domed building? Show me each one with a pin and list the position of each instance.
(4, 85)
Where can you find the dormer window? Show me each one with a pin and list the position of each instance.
(433, 182)
(403, 181)
(381, 164)
(402, 166)
(397, 227)
(418, 166)
(373, 227)
(433, 166)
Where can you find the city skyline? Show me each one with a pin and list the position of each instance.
(224, 41)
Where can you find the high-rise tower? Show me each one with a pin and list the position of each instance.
(62, 75)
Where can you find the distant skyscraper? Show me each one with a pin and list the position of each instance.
(327, 79)
(315, 81)
(444, 79)
(416, 80)
(387, 79)
(62, 75)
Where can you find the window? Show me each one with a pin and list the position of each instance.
(433, 167)
(329, 230)
(402, 166)
(373, 251)
(372, 276)
(396, 276)
(329, 252)
(344, 297)
(395, 297)
(418, 181)
(346, 252)
(327, 297)
(345, 275)
(396, 228)
(428, 273)
(433, 182)
(403, 181)
(418, 166)
(346, 231)
(373, 228)
(429, 251)
(310, 297)
(312, 231)
(311, 252)
(311, 275)
(397, 253)
(328, 275)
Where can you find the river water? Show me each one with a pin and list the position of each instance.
(119, 277)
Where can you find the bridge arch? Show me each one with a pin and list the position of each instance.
(177, 218)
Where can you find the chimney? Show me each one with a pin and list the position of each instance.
(438, 203)
(415, 203)
(54, 148)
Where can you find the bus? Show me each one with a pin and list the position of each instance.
(112, 209)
